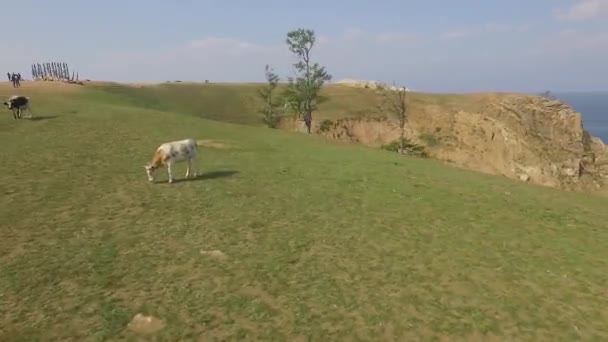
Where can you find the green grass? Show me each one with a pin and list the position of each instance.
(237, 103)
(324, 241)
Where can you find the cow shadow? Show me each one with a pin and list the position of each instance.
(206, 176)
(41, 118)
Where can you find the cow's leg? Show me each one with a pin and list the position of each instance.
(14, 114)
(188, 169)
(19, 113)
(27, 108)
(170, 172)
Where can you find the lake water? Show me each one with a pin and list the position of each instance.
(594, 108)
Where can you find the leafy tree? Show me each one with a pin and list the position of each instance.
(270, 108)
(303, 91)
(293, 100)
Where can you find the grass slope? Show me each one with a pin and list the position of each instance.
(237, 103)
(323, 241)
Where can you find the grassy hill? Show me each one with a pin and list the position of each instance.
(318, 240)
(237, 103)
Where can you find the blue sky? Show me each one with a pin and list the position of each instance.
(430, 45)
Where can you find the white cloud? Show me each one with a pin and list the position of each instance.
(572, 48)
(583, 10)
(229, 46)
(396, 37)
(490, 28)
(581, 40)
(454, 35)
(213, 42)
(353, 33)
(505, 28)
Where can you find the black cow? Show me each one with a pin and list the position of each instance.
(18, 104)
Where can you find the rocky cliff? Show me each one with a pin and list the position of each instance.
(529, 138)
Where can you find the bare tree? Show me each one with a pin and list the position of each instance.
(395, 103)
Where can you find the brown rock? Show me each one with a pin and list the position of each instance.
(217, 254)
(145, 324)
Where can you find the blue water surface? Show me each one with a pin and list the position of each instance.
(594, 108)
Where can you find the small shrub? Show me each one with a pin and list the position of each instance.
(271, 119)
(429, 139)
(270, 107)
(325, 125)
(359, 114)
(410, 149)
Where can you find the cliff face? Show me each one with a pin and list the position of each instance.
(529, 138)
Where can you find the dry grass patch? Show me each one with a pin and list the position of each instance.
(216, 144)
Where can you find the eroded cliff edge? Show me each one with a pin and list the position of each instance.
(523, 137)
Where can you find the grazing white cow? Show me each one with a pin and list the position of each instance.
(170, 153)
(18, 104)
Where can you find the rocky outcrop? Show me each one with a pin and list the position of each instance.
(365, 84)
(527, 138)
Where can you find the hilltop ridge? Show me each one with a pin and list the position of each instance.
(519, 136)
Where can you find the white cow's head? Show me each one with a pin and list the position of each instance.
(150, 172)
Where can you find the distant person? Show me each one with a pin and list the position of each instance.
(9, 76)
(15, 79)
(19, 80)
